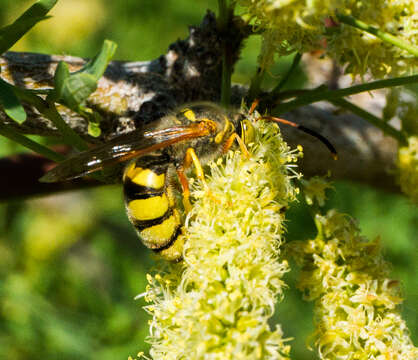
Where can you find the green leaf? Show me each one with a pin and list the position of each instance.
(94, 129)
(93, 118)
(11, 104)
(72, 89)
(98, 64)
(10, 34)
(62, 73)
(77, 89)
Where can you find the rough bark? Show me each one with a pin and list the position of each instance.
(132, 94)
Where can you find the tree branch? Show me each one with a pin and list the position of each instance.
(20, 174)
(132, 94)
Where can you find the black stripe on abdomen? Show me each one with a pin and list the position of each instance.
(145, 224)
(171, 241)
(134, 191)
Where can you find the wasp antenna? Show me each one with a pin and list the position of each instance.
(320, 138)
(311, 132)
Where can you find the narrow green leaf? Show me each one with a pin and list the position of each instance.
(384, 36)
(386, 128)
(10, 34)
(62, 73)
(10, 133)
(320, 94)
(11, 104)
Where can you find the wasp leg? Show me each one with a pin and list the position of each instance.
(230, 141)
(185, 188)
(254, 106)
(190, 158)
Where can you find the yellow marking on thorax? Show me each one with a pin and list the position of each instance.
(158, 235)
(189, 114)
(144, 177)
(148, 209)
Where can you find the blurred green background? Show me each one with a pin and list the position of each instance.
(71, 265)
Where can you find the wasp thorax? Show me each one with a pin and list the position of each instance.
(210, 126)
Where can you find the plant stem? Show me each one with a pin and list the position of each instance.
(223, 13)
(51, 113)
(226, 82)
(226, 66)
(255, 85)
(387, 129)
(13, 135)
(286, 77)
(384, 36)
(49, 110)
(328, 95)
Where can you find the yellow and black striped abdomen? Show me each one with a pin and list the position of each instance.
(151, 206)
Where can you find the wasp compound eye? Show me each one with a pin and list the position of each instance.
(247, 132)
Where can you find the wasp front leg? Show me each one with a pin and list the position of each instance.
(230, 141)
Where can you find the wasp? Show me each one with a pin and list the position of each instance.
(191, 135)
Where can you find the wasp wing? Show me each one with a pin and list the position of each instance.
(121, 148)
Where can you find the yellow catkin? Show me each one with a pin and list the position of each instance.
(217, 302)
(356, 302)
(303, 26)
